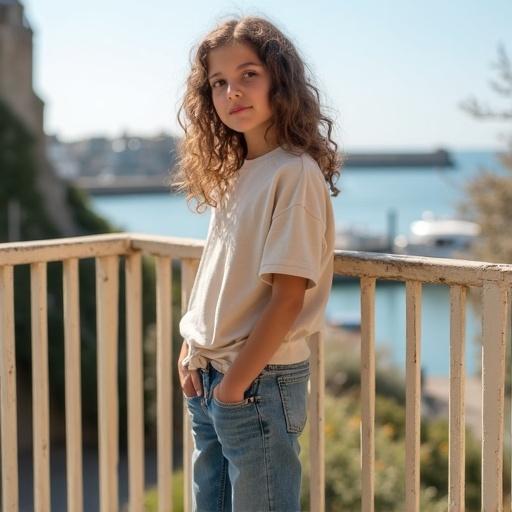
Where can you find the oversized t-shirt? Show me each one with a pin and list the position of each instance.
(276, 218)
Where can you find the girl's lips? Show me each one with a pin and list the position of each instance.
(240, 110)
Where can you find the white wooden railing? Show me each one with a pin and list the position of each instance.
(494, 279)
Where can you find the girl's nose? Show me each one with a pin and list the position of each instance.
(233, 92)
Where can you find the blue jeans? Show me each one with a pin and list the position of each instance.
(246, 454)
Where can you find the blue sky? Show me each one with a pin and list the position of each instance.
(392, 73)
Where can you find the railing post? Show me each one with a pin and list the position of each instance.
(71, 305)
(188, 274)
(135, 385)
(107, 307)
(367, 392)
(163, 381)
(40, 393)
(317, 423)
(456, 441)
(494, 326)
(8, 414)
(413, 396)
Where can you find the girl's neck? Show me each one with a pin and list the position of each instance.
(255, 153)
(258, 146)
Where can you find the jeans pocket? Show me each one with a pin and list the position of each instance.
(293, 390)
(249, 397)
(230, 405)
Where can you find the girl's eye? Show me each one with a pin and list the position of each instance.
(246, 73)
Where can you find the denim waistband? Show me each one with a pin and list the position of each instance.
(269, 369)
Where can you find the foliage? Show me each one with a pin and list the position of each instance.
(151, 497)
(18, 181)
(343, 447)
(488, 199)
(343, 370)
(343, 451)
(342, 462)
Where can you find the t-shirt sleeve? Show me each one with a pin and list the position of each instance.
(294, 246)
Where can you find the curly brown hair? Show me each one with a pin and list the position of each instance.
(210, 152)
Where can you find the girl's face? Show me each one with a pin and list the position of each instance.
(240, 81)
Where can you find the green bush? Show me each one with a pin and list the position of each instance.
(342, 437)
(343, 449)
(343, 368)
(343, 459)
(151, 497)
(20, 164)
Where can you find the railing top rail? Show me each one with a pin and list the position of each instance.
(90, 246)
(350, 263)
(58, 249)
(420, 268)
(176, 247)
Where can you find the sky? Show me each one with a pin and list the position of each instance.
(392, 74)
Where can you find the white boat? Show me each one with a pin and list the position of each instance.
(438, 237)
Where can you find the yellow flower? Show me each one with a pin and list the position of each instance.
(388, 429)
(379, 464)
(354, 422)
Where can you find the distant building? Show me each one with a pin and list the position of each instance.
(16, 91)
(16, 84)
(65, 165)
(104, 158)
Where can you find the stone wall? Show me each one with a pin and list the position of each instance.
(16, 89)
(16, 63)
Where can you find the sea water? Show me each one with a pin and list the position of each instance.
(367, 197)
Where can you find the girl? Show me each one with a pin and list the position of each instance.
(254, 152)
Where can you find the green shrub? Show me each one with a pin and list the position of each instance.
(343, 368)
(151, 498)
(343, 459)
(342, 437)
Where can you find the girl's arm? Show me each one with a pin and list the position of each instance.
(271, 328)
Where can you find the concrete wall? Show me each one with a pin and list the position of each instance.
(16, 64)
(16, 89)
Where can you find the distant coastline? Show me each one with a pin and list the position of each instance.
(140, 184)
(121, 185)
(438, 158)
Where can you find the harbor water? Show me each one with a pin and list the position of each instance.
(366, 198)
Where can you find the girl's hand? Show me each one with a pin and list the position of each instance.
(190, 380)
(226, 397)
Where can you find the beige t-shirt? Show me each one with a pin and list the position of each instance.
(277, 218)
